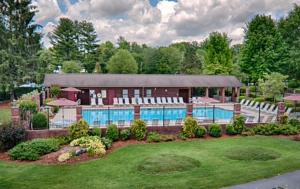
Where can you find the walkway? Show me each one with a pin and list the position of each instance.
(285, 181)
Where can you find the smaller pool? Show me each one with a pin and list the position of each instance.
(208, 113)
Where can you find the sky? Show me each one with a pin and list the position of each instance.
(159, 22)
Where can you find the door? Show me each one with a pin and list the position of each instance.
(84, 96)
(184, 93)
(111, 96)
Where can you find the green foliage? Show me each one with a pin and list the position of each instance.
(264, 48)
(79, 129)
(200, 131)
(55, 90)
(10, 136)
(275, 129)
(125, 134)
(295, 123)
(230, 130)
(273, 85)
(28, 106)
(112, 132)
(94, 132)
(215, 130)
(71, 66)
(107, 142)
(97, 68)
(39, 121)
(32, 150)
(63, 140)
(218, 59)
(153, 137)
(190, 127)
(167, 138)
(239, 124)
(122, 62)
(93, 144)
(283, 119)
(138, 129)
(55, 109)
(259, 99)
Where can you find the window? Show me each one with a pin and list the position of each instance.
(125, 93)
(148, 93)
(136, 93)
(103, 93)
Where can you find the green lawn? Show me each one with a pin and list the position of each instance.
(202, 164)
(5, 115)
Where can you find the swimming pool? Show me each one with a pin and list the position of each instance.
(102, 117)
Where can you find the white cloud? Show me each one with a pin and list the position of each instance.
(169, 21)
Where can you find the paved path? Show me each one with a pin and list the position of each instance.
(285, 181)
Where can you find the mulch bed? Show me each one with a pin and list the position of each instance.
(5, 105)
(50, 159)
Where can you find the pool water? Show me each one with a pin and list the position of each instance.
(102, 117)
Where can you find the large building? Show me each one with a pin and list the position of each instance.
(110, 86)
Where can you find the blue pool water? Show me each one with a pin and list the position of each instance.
(103, 116)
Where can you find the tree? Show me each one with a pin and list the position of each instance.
(97, 68)
(122, 62)
(289, 28)
(123, 44)
(272, 85)
(47, 63)
(71, 66)
(263, 49)
(105, 51)
(218, 56)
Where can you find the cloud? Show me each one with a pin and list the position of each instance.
(167, 22)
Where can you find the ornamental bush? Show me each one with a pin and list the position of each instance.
(294, 123)
(200, 131)
(153, 137)
(93, 144)
(215, 130)
(10, 136)
(65, 156)
(107, 142)
(275, 129)
(112, 132)
(125, 134)
(79, 129)
(138, 129)
(230, 130)
(190, 127)
(239, 124)
(95, 132)
(32, 150)
(39, 121)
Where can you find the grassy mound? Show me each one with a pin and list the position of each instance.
(167, 163)
(252, 153)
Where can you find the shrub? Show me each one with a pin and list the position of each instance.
(259, 99)
(95, 132)
(107, 142)
(239, 124)
(295, 123)
(241, 98)
(138, 129)
(112, 132)
(55, 90)
(167, 138)
(63, 140)
(125, 134)
(28, 105)
(189, 127)
(65, 156)
(275, 129)
(230, 130)
(55, 109)
(200, 131)
(215, 130)
(79, 129)
(283, 119)
(32, 150)
(153, 137)
(39, 121)
(10, 136)
(93, 144)
(182, 136)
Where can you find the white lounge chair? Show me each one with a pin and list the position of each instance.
(242, 101)
(163, 100)
(181, 100)
(146, 102)
(152, 100)
(288, 111)
(93, 101)
(250, 104)
(275, 110)
(270, 110)
(116, 101)
(126, 100)
(169, 100)
(158, 100)
(266, 107)
(175, 100)
(100, 102)
(246, 103)
(255, 106)
(194, 100)
(260, 106)
(133, 101)
(120, 101)
(140, 101)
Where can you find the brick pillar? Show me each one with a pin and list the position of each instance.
(237, 109)
(206, 92)
(137, 112)
(15, 115)
(222, 99)
(78, 113)
(281, 110)
(189, 110)
(238, 90)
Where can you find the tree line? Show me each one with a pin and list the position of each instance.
(269, 46)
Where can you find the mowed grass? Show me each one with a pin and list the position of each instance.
(5, 115)
(137, 166)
